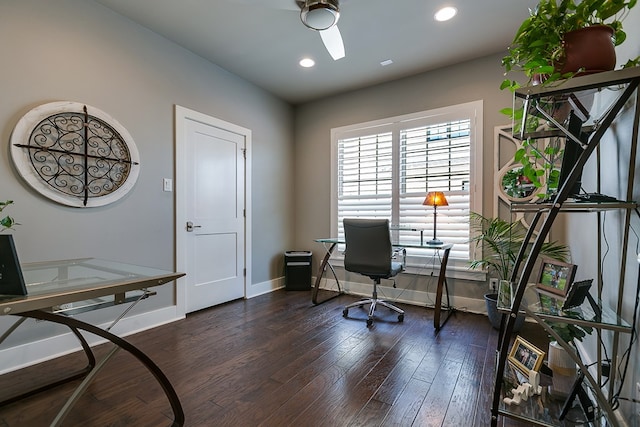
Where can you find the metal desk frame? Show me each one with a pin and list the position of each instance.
(43, 301)
(441, 288)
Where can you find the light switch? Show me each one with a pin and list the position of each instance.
(167, 184)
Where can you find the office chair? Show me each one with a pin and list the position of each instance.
(369, 252)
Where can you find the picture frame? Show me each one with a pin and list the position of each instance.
(577, 293)
(525, 357)
(555, 276)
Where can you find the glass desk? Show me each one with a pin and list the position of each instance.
(331, 244)
(58, 289)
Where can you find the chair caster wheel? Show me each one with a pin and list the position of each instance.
(369, 322)
(345, 312)
(401, 318)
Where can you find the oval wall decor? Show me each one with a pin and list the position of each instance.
(75, 154)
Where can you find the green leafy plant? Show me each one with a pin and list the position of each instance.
(537, 46)
(541, 165)
(500, 241)
(538, 51)
(568, 331)
(7, 221)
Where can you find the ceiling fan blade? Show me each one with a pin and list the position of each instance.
(333, 42)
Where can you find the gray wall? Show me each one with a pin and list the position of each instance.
(582, 232)
(78, 50)
(470, 81)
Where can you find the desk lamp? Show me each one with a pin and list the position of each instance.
(435, 199)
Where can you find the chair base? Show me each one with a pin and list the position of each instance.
(373, 303)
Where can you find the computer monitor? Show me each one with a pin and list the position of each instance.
(11, 280)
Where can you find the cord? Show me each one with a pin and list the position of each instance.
(615, 399)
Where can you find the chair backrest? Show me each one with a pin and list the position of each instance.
(369, 249)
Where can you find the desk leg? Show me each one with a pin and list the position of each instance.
(120, 343)
(323, 266)
(442, 284)
(91, 363)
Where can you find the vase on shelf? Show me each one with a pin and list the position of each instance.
(564, 370)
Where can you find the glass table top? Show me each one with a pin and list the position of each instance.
(60, 282)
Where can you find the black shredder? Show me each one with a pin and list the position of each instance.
(297, 276)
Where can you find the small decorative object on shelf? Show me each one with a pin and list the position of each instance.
(525, 390)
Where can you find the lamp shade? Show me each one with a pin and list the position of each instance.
(435, 198)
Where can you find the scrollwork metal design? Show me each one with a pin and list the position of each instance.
(79, 155)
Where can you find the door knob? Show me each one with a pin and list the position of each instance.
(190, 226)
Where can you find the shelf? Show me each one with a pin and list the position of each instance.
(580, 110)
(543, 409)
(582, 83)
(582, 315)
(573, 206)
(549, 133)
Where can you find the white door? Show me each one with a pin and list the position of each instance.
(210, 214)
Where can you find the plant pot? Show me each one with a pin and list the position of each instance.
(491, 301)
(590, 48)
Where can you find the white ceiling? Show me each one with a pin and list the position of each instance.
(263, 40)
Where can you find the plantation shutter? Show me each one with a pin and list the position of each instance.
(437, 158)
(387, 174)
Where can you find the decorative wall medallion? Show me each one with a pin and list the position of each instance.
(75, 154)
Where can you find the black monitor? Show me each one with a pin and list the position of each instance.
(11, 280)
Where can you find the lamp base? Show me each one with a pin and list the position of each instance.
(435, 242)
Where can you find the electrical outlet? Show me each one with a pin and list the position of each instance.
(493, 284)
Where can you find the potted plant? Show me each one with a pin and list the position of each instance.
(543, 47)
(500, 242)
(560, 39)
(563, 365)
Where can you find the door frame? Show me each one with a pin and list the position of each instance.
(183, 114)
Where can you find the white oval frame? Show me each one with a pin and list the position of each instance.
(22, 162)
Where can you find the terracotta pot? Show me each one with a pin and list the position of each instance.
(590, 48)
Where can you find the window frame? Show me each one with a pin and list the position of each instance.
(418, 264)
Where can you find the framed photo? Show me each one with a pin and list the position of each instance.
(525, 356)
(577, 294)
(556, 276)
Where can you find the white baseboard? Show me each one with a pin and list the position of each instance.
(406, 296)
(31, 353)
(258, 289)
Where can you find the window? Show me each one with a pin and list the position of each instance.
(384, 169)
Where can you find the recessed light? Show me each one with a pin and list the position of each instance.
(445, 13)
(386, 62)
(307, 62)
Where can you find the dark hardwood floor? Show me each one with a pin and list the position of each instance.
(278, 360)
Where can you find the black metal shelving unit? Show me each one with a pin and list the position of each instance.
(616, 88)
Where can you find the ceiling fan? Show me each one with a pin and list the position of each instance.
(318, 15)
(322, 16)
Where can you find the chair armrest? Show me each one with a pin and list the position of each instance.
(400, 252)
